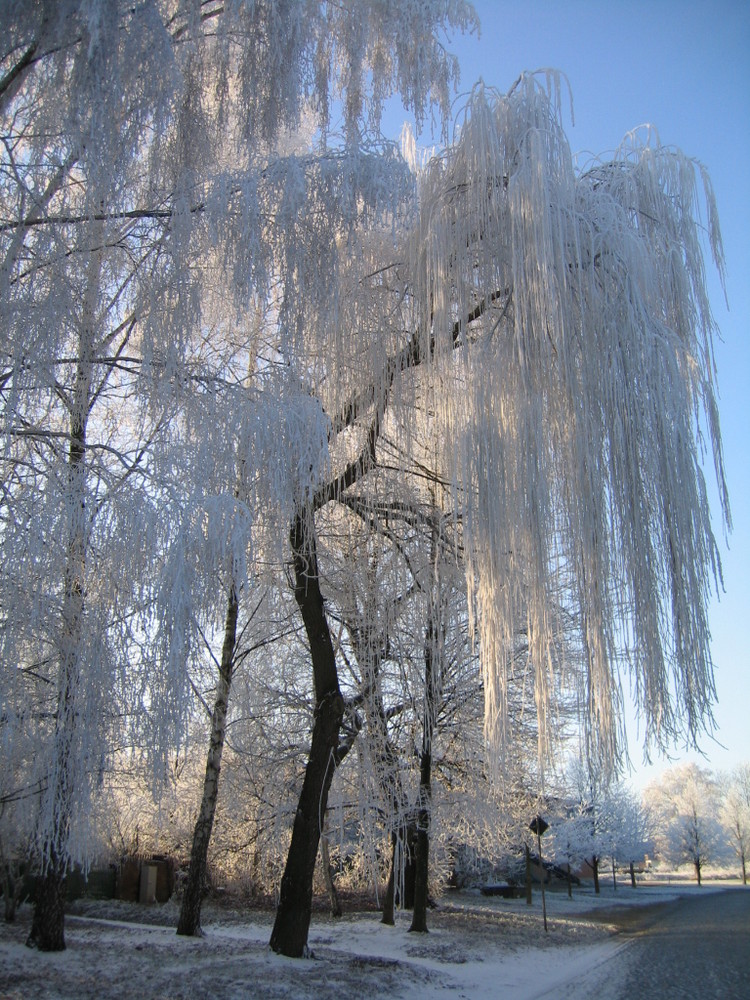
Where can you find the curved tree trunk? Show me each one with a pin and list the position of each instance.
(190, 911)
(292, 924)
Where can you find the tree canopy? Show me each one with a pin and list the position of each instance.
(226, 317)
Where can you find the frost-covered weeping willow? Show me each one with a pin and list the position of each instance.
(568, 315)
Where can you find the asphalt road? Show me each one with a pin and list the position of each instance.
(696, 948)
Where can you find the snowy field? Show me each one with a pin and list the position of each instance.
(477, 947)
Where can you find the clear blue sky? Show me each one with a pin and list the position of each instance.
(684, 67)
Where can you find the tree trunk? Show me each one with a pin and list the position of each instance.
(47, 928)
(632, 875)
(595, 866)
(698, 865)
(48, 923)
(190, 912)
(12, 883)
(614, 875)
(422, 866)
(333, 895)
(419, 916)
(409, 847)
(371, 647)
(744, 868)
(292, 924)
(389, 900)
(570, 883)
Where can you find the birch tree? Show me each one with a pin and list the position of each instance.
(77, 441)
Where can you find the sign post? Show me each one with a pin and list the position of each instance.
(538, 826)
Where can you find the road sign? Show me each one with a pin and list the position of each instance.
(538, 825)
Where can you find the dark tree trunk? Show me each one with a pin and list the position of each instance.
(419, 916)
(389, 900)
(744, 868)
(614, 875)
(698, 865)
(595, 866)
(570, 883)
(422, 857)
(290, 930)
(48, 923)
(632, 875)
(409, 847)
(190, 912)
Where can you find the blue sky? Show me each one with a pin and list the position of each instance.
(684, 67)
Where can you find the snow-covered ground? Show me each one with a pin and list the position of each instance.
(477, 947)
